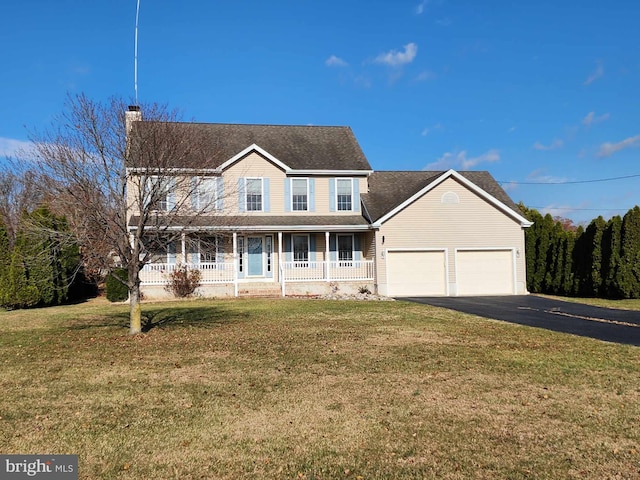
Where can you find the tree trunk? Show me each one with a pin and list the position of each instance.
(135, 310)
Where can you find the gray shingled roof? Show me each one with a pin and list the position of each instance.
(299, 147)
(388, 189)
(275, 221)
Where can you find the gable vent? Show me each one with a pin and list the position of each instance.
(450, 198)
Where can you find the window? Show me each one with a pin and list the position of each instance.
(210, 249)
(206, 195)
(344, 193)
(300, 250)
(345, 250)
(254, 194)
(240, 253)
(160, 193)
(269, 248)
(160, 251)
(299, 194)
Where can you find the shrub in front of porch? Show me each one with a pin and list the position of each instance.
(183, 281)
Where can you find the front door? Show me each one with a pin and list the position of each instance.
(255, 264)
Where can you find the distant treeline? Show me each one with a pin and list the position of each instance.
(602, 260)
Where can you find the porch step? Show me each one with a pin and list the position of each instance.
(259, 290)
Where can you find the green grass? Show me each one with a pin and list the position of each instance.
(629, 304)
(315, 389)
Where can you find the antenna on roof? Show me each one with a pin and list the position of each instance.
(135, 55)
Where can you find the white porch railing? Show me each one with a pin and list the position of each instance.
(157, 273)
(310, 271)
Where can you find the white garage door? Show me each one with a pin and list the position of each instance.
(416, 273)
(484, 272)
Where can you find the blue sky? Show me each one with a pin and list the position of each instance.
(534, 92)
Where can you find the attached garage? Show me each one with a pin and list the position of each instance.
(416, 273)
(485, 272)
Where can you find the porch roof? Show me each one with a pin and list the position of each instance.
(259, 222)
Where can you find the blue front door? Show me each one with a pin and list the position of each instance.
(255, 262)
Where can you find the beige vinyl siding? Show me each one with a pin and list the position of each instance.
(471, 223)
(254, 165)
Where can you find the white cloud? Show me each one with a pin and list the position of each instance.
(607, 149)
(461, 161)
(540, 176)
(427, 130)
(596, 74)
(557, 210)
(425, 75)
(10, 147)
(591, 119)
(334, 61)
(557, 143)
(444, 22)
(394, 58)
(509, 187)
(421, 6)
(512, 129)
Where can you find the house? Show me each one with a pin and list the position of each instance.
(299, 211)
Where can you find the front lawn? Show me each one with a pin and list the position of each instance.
(315, 389)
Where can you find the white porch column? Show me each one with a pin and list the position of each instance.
(235, 264)
(326, 256)
(280, 264)
(183, 244)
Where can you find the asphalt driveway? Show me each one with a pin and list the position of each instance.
(620, 326)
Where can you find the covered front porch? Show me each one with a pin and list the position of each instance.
(289, 263)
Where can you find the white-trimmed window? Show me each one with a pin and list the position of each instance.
(253, 194)
(344, 194)
(206, 194)
(240, 254)
(160, 193)
(268, 240)
(160, 252)
(300, 248)
(300, 194)
(345, 250)
(210, 249)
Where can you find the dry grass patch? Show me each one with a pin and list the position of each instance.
(315, 389)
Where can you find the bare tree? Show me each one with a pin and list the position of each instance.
(126, 183)
(17, 196)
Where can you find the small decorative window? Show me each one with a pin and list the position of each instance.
(450, 198)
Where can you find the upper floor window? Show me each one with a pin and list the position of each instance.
(160, 193)
(344, 191)
(253, 194)
(300, 194)
(206, 194)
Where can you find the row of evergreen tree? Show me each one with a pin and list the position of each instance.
(39, 264)
(601, 260)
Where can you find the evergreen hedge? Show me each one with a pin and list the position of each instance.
(116, 290)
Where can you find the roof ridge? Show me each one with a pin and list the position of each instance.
(288, 125)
